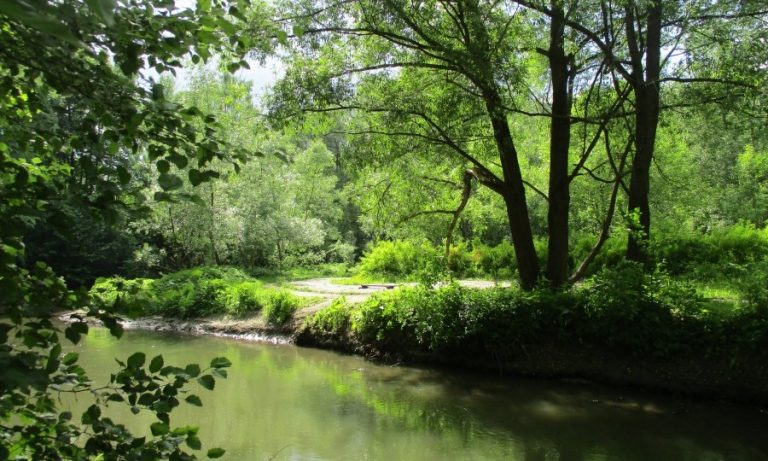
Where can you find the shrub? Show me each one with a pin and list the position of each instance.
(400, 259)
(622, 309)
(753, 285)
(460, 261)
(452, 319)
(408, 260)
(722, 248)
(742, 243)
(611, 254)
(497, 262)
(282, 304)
(383, 317)
(185, 294)
(244, 298)
(640, 312)
(333, 321)
(131, 297)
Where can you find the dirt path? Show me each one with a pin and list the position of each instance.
(325, 286)
(256, 328)
(327, 290)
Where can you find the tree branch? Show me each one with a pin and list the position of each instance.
(465, 194)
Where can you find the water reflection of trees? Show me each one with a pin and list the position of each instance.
(545, 420)
(338, 405)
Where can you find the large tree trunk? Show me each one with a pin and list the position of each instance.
(513, 193)
(639, 186)
(647, 101)
(511, 188)
(560, 138)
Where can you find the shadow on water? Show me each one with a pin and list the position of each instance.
(294, 403)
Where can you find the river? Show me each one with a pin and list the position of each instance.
(282, 402)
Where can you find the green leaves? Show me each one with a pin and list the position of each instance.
(204, 5)
(74, 119)
(196, 177)
(39, 18)
(159, 428)
(192, 370)
(169, 182)
(216, 453)
(163, 166)
(193, 442)
(282, 37)
(123, 175)
(75, 330)
(91, 415)
(221, 362)
(207, 381)
(53, 359)
(156, 364)
(136, 360)
(104, 9)
(70, 358)
(194, 400)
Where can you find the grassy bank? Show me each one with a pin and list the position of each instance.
(198, 292)
(621, 325)
(697, 323)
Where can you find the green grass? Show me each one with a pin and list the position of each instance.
(720, 296)
(302, 273)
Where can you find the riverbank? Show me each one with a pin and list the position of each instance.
(623, 327)
(324, 405)
(703, 378)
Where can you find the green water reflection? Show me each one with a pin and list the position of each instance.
(286, 403)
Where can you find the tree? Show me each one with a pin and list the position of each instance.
(641, 41)
(452, 75)
(90, 55)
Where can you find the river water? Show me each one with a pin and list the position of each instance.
(282, 402)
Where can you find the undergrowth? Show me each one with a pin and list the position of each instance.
(622, 309)
(197, 292)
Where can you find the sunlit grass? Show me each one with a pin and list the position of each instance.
(280, 277)
(720, 297)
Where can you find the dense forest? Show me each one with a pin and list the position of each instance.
(604, 164)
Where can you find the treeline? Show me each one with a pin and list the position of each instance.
(545, 153)
(563, 112)
(306, 197)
